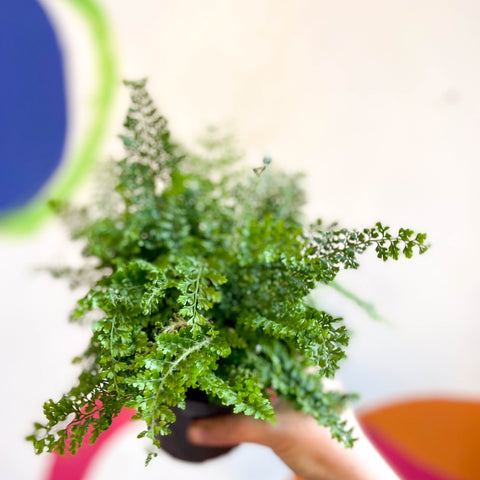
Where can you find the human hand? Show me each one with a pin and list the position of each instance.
(306, 447)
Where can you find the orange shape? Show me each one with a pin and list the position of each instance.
(438, 433)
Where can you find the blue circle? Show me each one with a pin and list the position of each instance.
(32, 102)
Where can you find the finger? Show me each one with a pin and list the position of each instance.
(230, 430)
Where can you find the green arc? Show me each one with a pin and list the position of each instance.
(72, 172)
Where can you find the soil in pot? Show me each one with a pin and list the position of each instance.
(177, 444)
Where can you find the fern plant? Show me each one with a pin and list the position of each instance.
(200, 273)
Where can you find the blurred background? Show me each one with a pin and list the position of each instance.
(376, 101)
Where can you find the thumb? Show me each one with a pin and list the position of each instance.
(230, 430)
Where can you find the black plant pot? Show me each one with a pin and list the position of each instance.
(177, 445)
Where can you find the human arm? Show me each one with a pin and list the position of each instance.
(306, 447)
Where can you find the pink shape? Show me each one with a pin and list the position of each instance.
(74, 467)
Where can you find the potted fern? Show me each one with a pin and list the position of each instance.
(200, 272)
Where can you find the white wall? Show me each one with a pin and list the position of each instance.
(377, 101)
